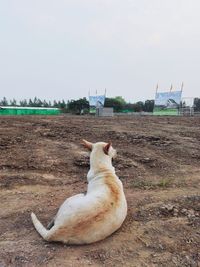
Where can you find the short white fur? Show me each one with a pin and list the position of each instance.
(90, 217)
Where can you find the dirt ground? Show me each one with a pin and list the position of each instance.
(42, 163)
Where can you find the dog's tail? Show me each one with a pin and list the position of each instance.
(39, 227)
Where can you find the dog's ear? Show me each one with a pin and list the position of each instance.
(107, 147)
(87, 144)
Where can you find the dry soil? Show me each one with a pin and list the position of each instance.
(42, 163)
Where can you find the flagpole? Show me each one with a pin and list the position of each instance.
(182, 87)
(157, 88)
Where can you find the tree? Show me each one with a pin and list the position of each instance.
(37, 102)
(30, 103)
(13, 102)
(197, 104)
(138, 106)
(76, 106)
(116, 103)
(149, 105)
(121, 100)
(129, 107)
(62, 104)
(4, 102)
(23, 103)
(45, 104)
(55, 104)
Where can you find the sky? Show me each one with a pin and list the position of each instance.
(64, 49)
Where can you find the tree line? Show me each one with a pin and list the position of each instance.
(82, 105)
(76, 106)
(36, 102)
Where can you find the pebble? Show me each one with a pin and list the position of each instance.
(184, 211)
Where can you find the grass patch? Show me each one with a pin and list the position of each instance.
(148, 184)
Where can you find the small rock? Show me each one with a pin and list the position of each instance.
(161, 246)
(191, 212)
(184, 211)
(169, 207)
(175, 210)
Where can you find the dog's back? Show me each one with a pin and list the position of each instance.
(84, 219)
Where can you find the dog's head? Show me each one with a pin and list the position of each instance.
(100, 149)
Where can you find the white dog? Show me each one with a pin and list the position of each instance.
(83, 219)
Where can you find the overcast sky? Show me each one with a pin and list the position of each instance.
(61, 49)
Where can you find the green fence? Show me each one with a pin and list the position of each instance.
(28, 111)
(165, 111)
